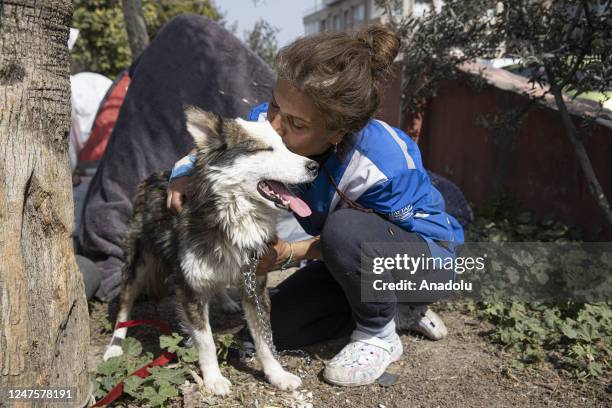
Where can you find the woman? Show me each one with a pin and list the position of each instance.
(372, 188)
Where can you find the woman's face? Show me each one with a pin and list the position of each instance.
(294, 116)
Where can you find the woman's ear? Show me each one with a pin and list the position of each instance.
(337, 136)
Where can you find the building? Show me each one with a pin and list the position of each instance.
(338, 15)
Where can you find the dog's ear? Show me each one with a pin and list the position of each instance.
(202, 126)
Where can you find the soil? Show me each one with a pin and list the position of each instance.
(463, 370)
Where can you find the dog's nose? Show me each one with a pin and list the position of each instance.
(313, 166)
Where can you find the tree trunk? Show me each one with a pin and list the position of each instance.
(44, 325)
(583, 157)
(135, 26)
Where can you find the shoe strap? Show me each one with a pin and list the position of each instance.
(369, 339)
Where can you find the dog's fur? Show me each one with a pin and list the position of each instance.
(205, 247)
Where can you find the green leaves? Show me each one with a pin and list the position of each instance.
(163, 375)
(156, 388)
(131, 386)
(132, 347)
(188, 355)
(581, 333)
(162, 382)
(103, 46)
(171, 343)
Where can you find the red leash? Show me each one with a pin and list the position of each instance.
(142, 372)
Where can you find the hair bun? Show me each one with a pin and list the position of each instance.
(384, 45)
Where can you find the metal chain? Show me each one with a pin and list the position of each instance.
(250, 287)
(263, 324)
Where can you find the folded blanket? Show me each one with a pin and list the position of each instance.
(192, 61)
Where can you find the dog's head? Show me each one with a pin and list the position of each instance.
(250, 157)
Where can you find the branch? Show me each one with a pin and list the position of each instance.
(573, 25)
(135, 26)
(583, 157)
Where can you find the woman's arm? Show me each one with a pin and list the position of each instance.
(280, 251)
(306, 249)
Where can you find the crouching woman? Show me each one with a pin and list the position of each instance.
(372, 190)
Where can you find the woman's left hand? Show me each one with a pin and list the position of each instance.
(278, 252)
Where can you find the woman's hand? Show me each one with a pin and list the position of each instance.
(177, 194)
(178, 188)
(278, 252)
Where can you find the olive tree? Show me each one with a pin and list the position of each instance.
(563, 47)
(44, 325)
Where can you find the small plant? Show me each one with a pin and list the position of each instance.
(576, 337)
(162, 383)
(105, 325)
(573, 336)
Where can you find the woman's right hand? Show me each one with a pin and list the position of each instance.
(177, 194)
(178, 187)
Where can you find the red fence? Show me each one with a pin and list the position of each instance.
(537, 164)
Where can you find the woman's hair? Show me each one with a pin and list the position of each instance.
(341, 72)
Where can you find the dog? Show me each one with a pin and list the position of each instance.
(238, 186)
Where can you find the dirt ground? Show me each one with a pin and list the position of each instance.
(462, 370)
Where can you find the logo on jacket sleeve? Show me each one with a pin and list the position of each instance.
(402, 214)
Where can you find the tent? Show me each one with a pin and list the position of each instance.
(104, 122)
(87, 91)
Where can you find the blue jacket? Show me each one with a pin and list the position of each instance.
(380, 168)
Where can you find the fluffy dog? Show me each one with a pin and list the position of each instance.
(238, 185)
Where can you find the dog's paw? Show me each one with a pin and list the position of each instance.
(112, 351)
(284, 380)
(218, 385)
(230, 306)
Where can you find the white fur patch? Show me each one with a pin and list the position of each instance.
(280, 164)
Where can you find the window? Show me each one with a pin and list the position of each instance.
(337, 26)
(347, 19)
(310, 28)
(322, 25)
(359, 13)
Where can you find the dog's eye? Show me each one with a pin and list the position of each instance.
(265, 149)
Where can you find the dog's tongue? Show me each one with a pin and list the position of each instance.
(296, 204)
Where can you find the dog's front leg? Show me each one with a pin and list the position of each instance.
(275, 373)
(195, 311)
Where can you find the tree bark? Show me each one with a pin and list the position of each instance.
(135, 26)
(44, 326)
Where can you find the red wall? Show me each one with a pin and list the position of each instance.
(539, 167)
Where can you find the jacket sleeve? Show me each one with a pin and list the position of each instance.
(395, 198)
(258, 112)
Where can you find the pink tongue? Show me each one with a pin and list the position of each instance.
(295, 203)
